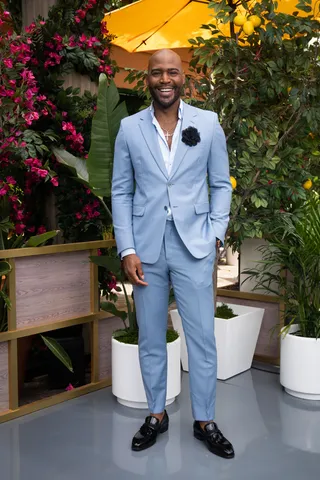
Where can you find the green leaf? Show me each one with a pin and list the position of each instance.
(5, 268)
(113, 264)
(6, 225)
(111, 308)
(40, 239)
(58, 351)
(77, 165)
(105, 126)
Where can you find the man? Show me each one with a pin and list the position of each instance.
(166, 231)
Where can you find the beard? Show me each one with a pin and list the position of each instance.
(165, 102)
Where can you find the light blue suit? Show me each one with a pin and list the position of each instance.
(179, 251)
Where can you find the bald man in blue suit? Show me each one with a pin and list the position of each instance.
(171, 198)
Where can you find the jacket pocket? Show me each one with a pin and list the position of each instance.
(138, 211)
(202, 208)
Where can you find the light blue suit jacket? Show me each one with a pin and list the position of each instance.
(198, 188)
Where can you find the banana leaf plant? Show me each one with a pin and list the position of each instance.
(96, 171)
(5, 269)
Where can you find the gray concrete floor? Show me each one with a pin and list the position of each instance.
(275, 436)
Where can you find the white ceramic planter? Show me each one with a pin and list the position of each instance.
(232, 257)
(127, 383)
(299, 365)
(236, 340)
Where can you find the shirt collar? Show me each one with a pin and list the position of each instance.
(180, 110)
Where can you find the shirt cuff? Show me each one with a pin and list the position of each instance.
(127, 251)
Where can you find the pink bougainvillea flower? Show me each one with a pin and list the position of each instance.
(78, 216)
(30, 28)
(19, 215)
(8, 62)
(35, 162)
(4, 190)
(42, 173)
(41, 229)
(27, 76)
(54, 181)
(104, 29)
(30, 117)
(11, 181)
(69, 387)
(108, 70)
(20, 228)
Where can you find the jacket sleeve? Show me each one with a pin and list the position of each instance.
(122, 193)
(219, 181)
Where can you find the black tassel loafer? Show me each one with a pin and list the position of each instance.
(147, 435)
(214, 439)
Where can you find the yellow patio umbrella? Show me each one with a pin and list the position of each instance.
(149, 25)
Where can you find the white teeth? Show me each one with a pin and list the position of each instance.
(165, 89)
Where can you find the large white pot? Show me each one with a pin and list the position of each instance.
(236, 339)
(127, 383)
(299, 365)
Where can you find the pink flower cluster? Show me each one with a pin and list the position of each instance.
(90, 210)
(35, 174)
(56, 45)
(75, 139)
(17, 214)
(18, 84)
(82, 12)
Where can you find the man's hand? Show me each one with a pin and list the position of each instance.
(133, 269)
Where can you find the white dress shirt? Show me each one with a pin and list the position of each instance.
(167, 154)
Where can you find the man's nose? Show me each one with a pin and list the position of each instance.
(165, 77)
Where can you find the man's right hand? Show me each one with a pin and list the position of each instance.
(133, 269)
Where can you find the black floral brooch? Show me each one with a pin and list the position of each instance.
(190, 136)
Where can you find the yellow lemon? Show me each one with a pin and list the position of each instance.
(307, 184)
(240, 20)
(255, 20)
(248, 28)
(233, 182)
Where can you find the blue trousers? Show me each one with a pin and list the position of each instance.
(191, 280)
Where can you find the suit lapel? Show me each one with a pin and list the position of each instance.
(149, 133)
(189, 117)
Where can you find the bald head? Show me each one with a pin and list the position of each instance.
(165, 56)
(165, 78)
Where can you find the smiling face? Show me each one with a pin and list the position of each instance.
(165, 78)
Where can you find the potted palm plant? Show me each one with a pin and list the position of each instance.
(291, 264)
(96, 173)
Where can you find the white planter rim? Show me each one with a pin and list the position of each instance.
(296, 338)
(130, 345)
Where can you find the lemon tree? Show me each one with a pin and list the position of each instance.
(264, 82)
